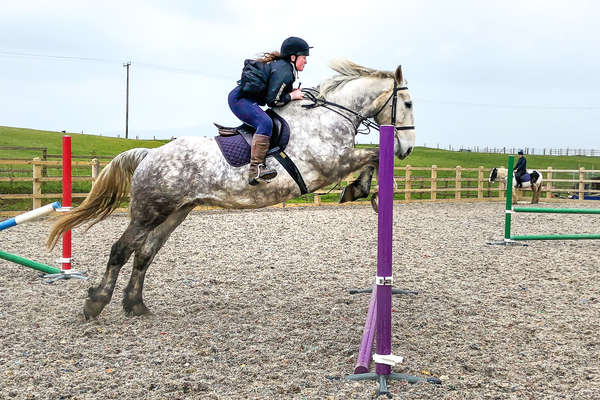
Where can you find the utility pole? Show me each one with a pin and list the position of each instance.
(126, 65)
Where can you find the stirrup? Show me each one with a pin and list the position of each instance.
(266, 175)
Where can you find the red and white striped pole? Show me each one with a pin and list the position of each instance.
(66, 199)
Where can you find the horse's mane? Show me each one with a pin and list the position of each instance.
(349, 71)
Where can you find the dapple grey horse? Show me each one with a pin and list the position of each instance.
(167, 182)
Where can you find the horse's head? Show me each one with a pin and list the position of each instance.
(498, 174)
(493, 174)
(380, 95)
(395, 108)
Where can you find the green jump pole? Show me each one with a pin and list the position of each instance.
(29, 263)
(557, 210)
(508, 211)
(577, 236)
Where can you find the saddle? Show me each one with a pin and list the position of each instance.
(235, 142)
(525, 177)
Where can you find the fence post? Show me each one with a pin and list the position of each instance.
(433, 182)
(458, 184)
(480, 183)
(37, 183)
(95, 170)
(581, 183)
(549, 183)
(44, 157)
(407, 185)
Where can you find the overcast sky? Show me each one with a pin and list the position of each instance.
(517, 73)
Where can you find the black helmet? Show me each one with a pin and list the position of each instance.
(294, 46)
(520, 152)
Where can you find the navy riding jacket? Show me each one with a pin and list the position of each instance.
(521, 167)
(281, 76)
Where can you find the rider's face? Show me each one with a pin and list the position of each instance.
(300, 62)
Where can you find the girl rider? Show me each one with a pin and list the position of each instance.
(267, 80)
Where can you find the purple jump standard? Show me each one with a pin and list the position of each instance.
(381, 300)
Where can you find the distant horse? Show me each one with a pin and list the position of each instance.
(533, 182)
(169, 181)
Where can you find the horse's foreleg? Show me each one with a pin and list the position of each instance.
(99, 296)
(536, 189)
(133, 303)
(359, 188)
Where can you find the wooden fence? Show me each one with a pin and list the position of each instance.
(527, 150)
(38, 179)
(412, 183)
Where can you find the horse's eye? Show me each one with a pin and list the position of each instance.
(408, 104)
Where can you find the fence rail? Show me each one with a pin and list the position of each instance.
(527, 150)
(412, 183)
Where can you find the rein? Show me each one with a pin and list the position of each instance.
(313, 95)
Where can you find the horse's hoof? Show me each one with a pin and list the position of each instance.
(92, 309)
(375, 202)
(137, 310)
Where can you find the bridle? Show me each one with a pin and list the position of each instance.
(313, 95)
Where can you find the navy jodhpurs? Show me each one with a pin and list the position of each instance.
(250, 112)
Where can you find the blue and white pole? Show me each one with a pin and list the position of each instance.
(28, 216)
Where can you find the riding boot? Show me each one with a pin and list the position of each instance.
(258, 151)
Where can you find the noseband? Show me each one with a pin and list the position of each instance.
(394, 98)
(313, 94)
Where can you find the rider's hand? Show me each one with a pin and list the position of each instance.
(297, 94)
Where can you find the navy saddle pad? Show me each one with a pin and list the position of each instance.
(235, 142)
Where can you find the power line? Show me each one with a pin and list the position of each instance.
(49, 56)
(192, 71)
(106, 60)
(512, 106)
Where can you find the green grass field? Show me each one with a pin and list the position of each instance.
(100, 146)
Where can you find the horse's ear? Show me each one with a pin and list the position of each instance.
(398, 74)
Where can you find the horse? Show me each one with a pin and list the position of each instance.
(167, 182)
(533, 182)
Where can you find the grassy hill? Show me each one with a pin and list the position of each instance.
(80, 143)
(110, 146)
(86, 144)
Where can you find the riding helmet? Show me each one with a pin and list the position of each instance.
(294, 46)
(520, 152)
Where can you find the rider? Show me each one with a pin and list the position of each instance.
(269, 82)
(520, 168)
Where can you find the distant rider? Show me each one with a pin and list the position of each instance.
(520, 169)
(267, 80)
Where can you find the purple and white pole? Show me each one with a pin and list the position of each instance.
(384, 280)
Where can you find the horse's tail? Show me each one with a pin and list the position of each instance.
(109, 189)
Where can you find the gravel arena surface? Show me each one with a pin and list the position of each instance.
(255, 305)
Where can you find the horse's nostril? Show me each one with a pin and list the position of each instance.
(410, 149)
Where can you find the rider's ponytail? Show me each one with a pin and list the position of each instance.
(268, 57)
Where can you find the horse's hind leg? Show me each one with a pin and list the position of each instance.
(133, 302)
(99, 296)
